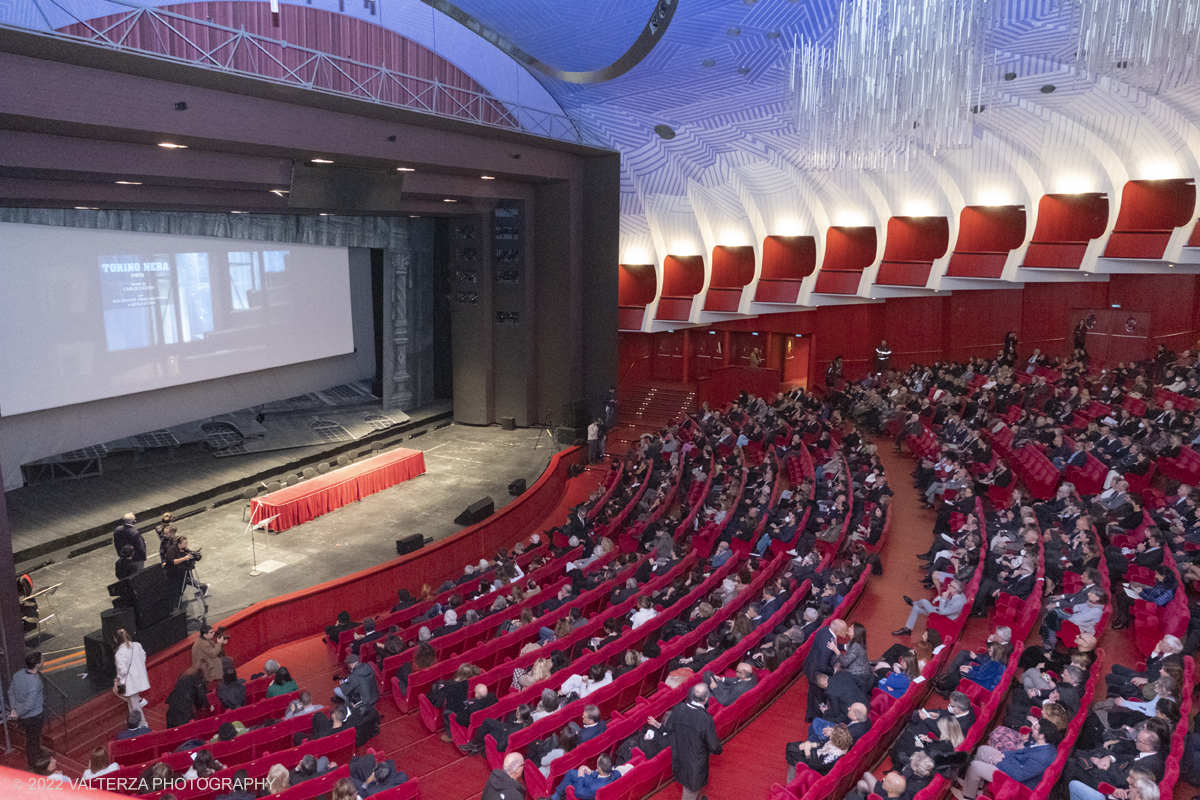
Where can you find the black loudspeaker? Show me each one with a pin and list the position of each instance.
(508, 423)
(410, 544)
(113, 619)
(154, 596)
(575, 470)
(517, 487)
(565, 434)
(166, 633)
(97, 648)
(575, 414)
(476, 512)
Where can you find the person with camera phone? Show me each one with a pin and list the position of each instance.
(180, 561)
(132, 680)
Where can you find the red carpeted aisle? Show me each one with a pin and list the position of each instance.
(753, 759)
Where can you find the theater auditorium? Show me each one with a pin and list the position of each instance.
(455, 399)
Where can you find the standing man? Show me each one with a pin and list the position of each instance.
(505, 783)
(610, 409)
(127, 534)
(694, 738)
(594, 441)
(883, 356)
(25, 705)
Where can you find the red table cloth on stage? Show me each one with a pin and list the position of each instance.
(325, 493)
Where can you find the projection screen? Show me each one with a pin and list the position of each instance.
(89, 314)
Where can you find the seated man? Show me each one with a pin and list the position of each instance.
(135, 726)
(1025, 764)
(949, 604)
(1093, 768)
(587, 781)
(590, 725)
(1084, 616)
(924, 722)
(726, 691)
(371, 777)
(310, 767)
(1124, 681)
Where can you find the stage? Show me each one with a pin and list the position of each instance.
(463, 464)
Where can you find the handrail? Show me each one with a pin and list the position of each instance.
(630, 367)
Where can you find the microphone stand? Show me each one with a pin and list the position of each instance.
(251, 527)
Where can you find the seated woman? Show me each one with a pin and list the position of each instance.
(537, 672)
(424, 658)
(283, 683)
(597, 677)
(902, 674)
(819, 757)
(203, 765)
(988, 669)
(544, 751)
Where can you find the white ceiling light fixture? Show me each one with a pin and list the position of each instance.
(901, 75)
(321, 161)
(1141, 42)
(128, 183)
(405, 169)
(172, 146)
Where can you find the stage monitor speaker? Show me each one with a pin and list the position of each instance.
(410, 544)
(113, 619)
(99, 654)
(508, 423)
(517, 487)
(166, 633)
(476, 512)
(575, 470)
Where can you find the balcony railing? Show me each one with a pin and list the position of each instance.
(168, 36)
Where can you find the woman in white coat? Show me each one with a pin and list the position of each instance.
(131, 672)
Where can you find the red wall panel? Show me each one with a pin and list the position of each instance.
(849, 249)
(683, 276)
(789, 257)
(916, 238)
(635, 352)
(913, 328)
(1066, 222)
(637, 284)
(1169, 299)
(977, 322)
(732, 267)
(849, 331)
(1046, 314)
(1156, 205)
(986, 235)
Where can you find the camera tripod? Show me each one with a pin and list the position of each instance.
(190, 581)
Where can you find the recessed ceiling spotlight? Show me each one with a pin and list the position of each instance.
(709, 62)
(487, 177)
(734, 32)
(405, 169)
(1048, 88)
(665, 131)
(1010, 76)
(743, 70)
(977, 109)
(128, 183)
(749, 2)
(774, 34)
(449, 200)
(172, 146)
(321, 161)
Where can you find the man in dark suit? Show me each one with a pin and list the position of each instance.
(1094, 767)
(820, 661)
(577, 526)
(726, 691)
(693, 739)
(924, 723)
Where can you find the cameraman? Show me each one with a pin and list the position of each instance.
(179, 562)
